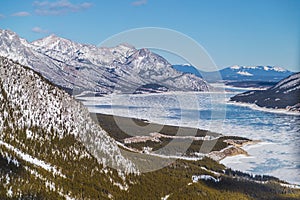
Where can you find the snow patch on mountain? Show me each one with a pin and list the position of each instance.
(32, 160)
(243, 73)
(235, 67)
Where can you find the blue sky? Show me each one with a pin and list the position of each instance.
(254, 32)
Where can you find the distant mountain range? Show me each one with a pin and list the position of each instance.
(80, 67)
(240, 76)
(284, 95)
(254, 73)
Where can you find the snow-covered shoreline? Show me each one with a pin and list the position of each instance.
(264, 109)
(221, 85)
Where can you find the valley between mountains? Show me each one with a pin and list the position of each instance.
(51, 147)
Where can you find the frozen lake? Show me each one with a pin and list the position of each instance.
(278, 154)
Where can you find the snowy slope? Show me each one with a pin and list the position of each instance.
(285, 95)
(79, 67)
(50, 133)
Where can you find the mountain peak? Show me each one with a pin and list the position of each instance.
(52, 36)
(124, 48)
(143, 52)
(126, 45)
(53, 41)
(12, 37)
(235, 67)
(8, 33)
(64, 49)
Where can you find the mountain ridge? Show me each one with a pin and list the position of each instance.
(79, 67)
(284, 95)
(236, 74)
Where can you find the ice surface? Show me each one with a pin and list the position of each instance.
(276, 155)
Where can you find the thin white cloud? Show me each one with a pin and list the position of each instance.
(59, 7)
(21, 14)
(38, 30)
(139, 2)
(2, 16)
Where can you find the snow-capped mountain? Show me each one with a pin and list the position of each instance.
(284, 95)
(239, 73)
(49, 141)
(254, 73)
(79, 67)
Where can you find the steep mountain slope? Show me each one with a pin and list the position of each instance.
(51, 149)
(79, 67)
(49, 138)
(241, 76)
(284, 95)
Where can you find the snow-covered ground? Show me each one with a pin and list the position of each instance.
(28, 158)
